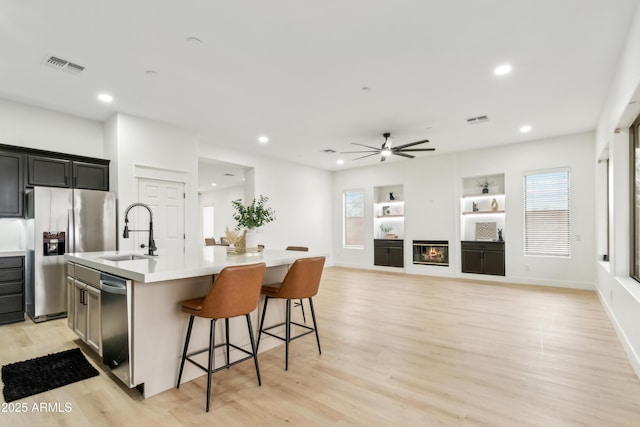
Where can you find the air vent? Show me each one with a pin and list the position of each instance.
(229, 174)
(476, 120)
(63, 65)
(328, 151)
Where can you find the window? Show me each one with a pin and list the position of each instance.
(634, 135)
(207, 222)
(353, 232)
(546, 213)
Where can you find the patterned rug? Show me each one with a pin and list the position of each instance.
(22, 379)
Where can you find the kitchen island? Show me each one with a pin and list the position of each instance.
(156, 326)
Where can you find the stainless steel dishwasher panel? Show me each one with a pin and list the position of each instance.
(116, 326)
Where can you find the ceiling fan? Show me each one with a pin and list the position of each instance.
(386, 149)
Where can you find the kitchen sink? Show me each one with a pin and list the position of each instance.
(129, 257)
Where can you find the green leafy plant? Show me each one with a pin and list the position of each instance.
(254, 215)
(485, 183)
(385, 228)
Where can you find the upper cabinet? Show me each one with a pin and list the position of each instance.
(67, 173)
(11, 184)
(48, 171)
(483, 208)
(22, 168)
(90, 176)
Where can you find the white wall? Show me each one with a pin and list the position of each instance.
(619, 293)
(300, 196)
(162, 152)
(34, 127)
(432, 190)
(222, 208)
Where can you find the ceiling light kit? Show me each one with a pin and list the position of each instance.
(387, 149)
(263, 139)
(105, 97)
(503, 69)
(525, 129)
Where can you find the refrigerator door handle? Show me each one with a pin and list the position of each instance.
(70, 232)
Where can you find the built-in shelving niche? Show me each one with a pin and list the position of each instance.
(388, 213)
(478, 207)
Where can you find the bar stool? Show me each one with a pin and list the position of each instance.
(299, 303)
(302, 281)
(235, 292)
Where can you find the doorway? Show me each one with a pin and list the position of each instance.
(166, 200)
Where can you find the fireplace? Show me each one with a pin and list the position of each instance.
(431, 252)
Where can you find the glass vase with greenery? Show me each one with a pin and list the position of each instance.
(253, 215)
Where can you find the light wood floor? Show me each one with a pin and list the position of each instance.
(398, 350)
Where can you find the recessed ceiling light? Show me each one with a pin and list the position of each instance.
(194, 41)
(105, 97)
(213, 184)
(525, 129)
(263, 139)
(502, 70)
(340, 161)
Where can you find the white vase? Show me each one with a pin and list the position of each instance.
(253, 237)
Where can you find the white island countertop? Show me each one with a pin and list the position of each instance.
(159, 268)
(14, 252)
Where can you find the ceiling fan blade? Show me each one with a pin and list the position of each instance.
(417, 149)
(366, 151)
(411, 144)
(398, 153)
(368, 146)
(368, 155)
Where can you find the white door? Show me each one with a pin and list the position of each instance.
(166, 200)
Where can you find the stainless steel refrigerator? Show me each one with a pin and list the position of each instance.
(61, 220)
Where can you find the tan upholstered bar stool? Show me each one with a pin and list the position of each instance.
(302, 281)
(235, 292)
(299, 303)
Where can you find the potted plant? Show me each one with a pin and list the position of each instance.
(484, 184)
(386, 230)
(252, 216)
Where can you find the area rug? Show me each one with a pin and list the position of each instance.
(22, 379)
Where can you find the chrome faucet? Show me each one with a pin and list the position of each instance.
(152, 243)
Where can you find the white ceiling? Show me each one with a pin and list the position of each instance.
(294, 70)
(222, 174)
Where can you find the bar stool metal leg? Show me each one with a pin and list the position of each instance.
(264, 311)
(211, 347)
(184, 352)
(315, 326)
(254, 347)
(226, 334)
(287, 335)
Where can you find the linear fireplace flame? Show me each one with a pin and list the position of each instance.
(431, 252)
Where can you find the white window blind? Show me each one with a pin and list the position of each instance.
(546, 211)
(353, 231)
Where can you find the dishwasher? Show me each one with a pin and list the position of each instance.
(115, 313)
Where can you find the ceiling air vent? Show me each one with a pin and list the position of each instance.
(478, 119)
(63, 65)
(328, 151)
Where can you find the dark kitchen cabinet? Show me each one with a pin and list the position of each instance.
(49, 172)
(483, 257)
(90, 176)
(67, 173)
(11, 289)
(11, 184)
(388, 252)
